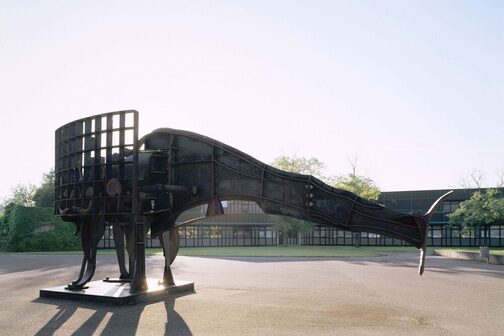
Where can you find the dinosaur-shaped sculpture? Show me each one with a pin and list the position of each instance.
(147, 184)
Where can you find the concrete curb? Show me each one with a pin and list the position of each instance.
(475, 256)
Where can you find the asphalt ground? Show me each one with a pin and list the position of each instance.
(266, 296)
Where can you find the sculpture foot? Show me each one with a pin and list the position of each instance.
(76, 286)
(166, 283)
(119, 280)
(167, 277)
(125, 276)
(421, 267)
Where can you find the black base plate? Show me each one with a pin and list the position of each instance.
(118, 292)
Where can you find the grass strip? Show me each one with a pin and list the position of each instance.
(493, 250)
(280, 251)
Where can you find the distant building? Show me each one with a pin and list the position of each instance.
(245, 224)
(421, 200)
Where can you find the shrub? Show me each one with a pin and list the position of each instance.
(25, 229)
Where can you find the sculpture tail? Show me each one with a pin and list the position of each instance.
(426, 218)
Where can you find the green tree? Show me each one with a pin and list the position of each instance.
(300, 165)
(360, 185)
(44, 195)
(484, 209)
(22, 195)
(29, 195)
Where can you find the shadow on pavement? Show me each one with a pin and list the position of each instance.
(12, 263)
(123, 320)
(283, 259)
(435, 264)
(403, 260)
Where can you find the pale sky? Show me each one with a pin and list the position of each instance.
(414, 88)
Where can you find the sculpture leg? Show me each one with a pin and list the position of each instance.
(85, 244)
(170, 242)
(130, 247)
(82, 269)
(91, 233)
(164, 239)
(119, 246)
(84, 258)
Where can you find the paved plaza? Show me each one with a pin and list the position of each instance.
(266, 296)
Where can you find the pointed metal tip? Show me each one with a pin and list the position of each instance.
(428, 214)
(427, 217)
(421, 267)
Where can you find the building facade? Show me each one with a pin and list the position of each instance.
(245, 224)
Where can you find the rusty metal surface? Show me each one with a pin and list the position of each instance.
(102, 179)
(221, 172)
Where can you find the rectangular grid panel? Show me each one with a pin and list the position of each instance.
(89, 153)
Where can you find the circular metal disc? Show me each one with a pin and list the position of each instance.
(114, 187)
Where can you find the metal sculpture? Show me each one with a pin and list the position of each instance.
(106, 176)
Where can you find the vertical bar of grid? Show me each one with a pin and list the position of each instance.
(122, 126)
(75, 166)
(79, 159)
(139, 281)
(97, 167)
(71, 165)
(74, 163)
(56, 171)
(108, 159)
(87, 163)
(66, 161)
(112, 205)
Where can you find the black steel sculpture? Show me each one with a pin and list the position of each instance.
(106, 176)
